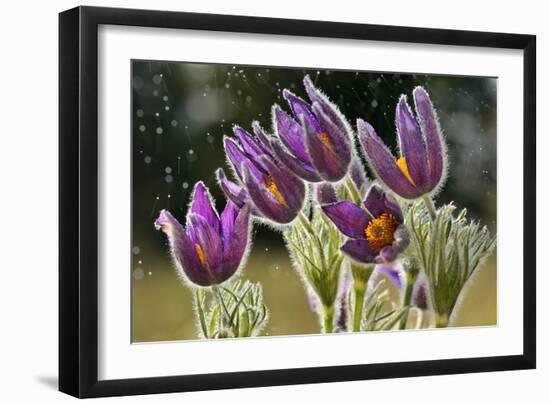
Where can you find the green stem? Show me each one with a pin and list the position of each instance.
(328, 319)
(352, 189)
(304, 220)
(407, 298)
(441, 320)
(429, 205)
(359, 289)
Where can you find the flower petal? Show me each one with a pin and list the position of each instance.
(237, 157)
(301, 108)
(202, 205)
(359, 250)
(323, 156)
(298, 167)
(264, 201)
(412, 144)
(210, 242)
(232, 191)
(182, 249)
(262, 137)
(328, 107)
(339, 138)
(291, 133)
(378, 202)
(348, 217)
(435, 144)
(235, 230)
(325, 193)
(383, 163)
(290, 186)
(392, 272)
(357, 173)
(248, 143)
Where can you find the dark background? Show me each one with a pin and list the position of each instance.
(181, 112)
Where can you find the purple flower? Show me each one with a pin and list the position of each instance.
(276, 192)
(209, 250)
(421, 167)
(377, 232)
(314, 143)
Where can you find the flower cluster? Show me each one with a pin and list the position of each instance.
(312, 148)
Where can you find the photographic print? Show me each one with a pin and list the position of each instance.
(281, 201)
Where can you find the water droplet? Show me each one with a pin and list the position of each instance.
(139, 113)
(159, 131)
(174, 122)
(167, 108)
(185, 185)
(147, 159)
(149, 273)
(168, 170)
(138, 274)
(155, 93)
(374, 103)
(157, 79)
(165, 98)
(136, 250)
(142, 128)
(168, 178)
(191, 151)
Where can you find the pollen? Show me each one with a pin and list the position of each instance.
(323, 137)
(200, 254)
(402, 164)
(271, 186)
(379, 232)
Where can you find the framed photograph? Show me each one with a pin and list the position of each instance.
(251, 201)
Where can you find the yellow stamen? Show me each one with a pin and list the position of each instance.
(323, 137)
(402, 164)
(379, 232)
(200, 254)
(271, 186)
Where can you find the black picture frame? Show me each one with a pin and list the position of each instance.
(78, 200)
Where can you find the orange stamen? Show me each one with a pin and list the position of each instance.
(200, 254)
(271, 186)
(323, 137)
(379, 232)
(402, 164)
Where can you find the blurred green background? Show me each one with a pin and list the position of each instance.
(181, 112)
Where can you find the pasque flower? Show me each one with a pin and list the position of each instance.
(276, 192)
(421, 167)
(314, 143)
(376, 230)
(210, 249)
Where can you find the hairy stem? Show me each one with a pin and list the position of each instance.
(352, 189)
(407, 298)
(328, 319)
(359, 288)
(441, 320)
(429, 205)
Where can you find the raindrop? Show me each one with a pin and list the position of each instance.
(159, 131)
(191, 151)
(139, 113)
(147, 159)
(167, 108)
(374, 103)
(142, 128)
(185, 185)
(174, 122)
(168, 178)
(138, 274)
(157, 79)
(227, 85)
(135, 250)
(137, 82)
(168, 170)
(165, 98)
(155, 93)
